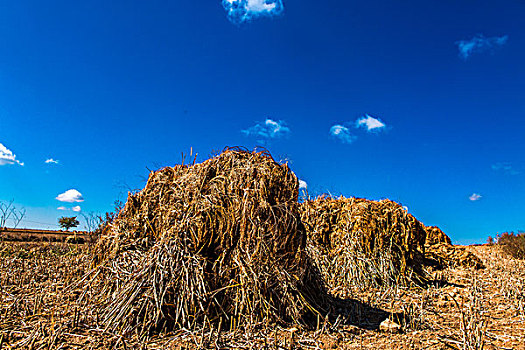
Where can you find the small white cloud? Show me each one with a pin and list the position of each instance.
(479, 44)
(8, 157)
(269, 129)
(370, 123)
(303, 185)
(76, 208)
(475, 197)
(343, 133)
(70, 196)
(51, 161)
(240, 11)
(62, 208)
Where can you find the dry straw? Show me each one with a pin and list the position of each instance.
(358, 243)
(440, 253)
(219, 243)
(436, 235)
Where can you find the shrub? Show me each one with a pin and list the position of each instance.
(512, 244)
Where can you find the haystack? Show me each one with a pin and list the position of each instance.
(217, 243)
(440, 253)
(436, 235)
(358, 243)
(443, 255)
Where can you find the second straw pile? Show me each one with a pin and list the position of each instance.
(358, 244)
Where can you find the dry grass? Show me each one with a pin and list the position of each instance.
(216, 244)
(441, 255)
(435, 235)
(39, 311)
(358, 244)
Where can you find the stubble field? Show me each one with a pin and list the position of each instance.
(43, 306)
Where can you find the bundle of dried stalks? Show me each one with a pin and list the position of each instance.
(443, 255)
(440, 253)
(358, 243)
(436, 235)
(219, 243)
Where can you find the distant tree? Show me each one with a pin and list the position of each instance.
(68, 222)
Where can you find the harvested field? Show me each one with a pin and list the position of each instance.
(463, 307)
(221, 255)
(30, 235)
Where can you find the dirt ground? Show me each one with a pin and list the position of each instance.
(42, 306)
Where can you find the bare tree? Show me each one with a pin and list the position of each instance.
(5, 212)
(17, 216)
(92, 220)
(7, 209)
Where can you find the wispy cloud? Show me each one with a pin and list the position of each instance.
(51, 161)
(268, 130)
(370, 123)
(505, 168)
(303, 185)
(240, 11)
(8, 157)
(479, 44)
(342, 133)
(76, 208)
(475, 197)
(367, 122)
(70, 196)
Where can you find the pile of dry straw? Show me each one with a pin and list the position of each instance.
(358, 243)
(226, 244)
(440, 253)
(218, 243)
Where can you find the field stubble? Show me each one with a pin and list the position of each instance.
(42, 307)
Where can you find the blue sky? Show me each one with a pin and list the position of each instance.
(419, 102)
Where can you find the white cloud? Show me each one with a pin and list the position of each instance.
(343, 133)
(479, 44)
(303, 185)
(240, 11)
(62, 208)
(76, 208)
(70, 196)
(8, 157)
(370, 123)
(269, 129)
(505, 168)
(475, 197)
(51, 161)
